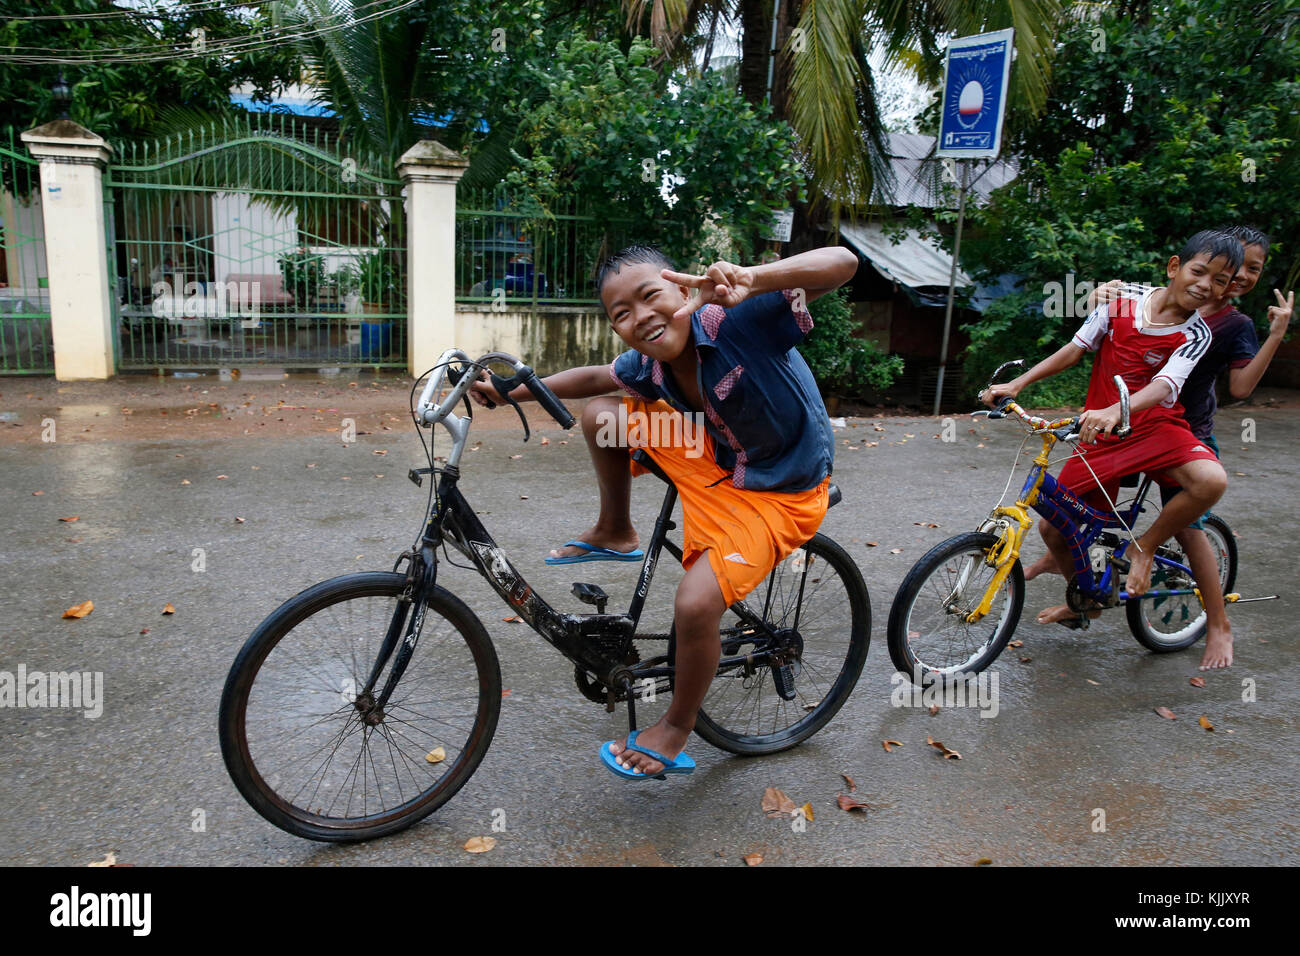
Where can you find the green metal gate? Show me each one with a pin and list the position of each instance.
(256, 243)
(26, 346)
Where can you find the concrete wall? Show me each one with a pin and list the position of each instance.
(554, 338)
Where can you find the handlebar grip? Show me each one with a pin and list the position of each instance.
(549, 400)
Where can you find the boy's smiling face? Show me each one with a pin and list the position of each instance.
(1198, 281)
(640, 304)
(1252, 266)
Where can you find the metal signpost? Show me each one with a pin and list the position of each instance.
(975, 74)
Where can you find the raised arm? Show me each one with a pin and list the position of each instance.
(816, 272)
(1242, 381)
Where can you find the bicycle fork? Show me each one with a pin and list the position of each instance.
(372, 708)
(1002, 556)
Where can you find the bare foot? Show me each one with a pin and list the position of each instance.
(1218, 647)
(618, 541)
(1139, 572)
(662, 738)
(1044, 565)
(1062, 612)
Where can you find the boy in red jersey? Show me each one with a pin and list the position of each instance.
(1235, 348)
(1152, 342)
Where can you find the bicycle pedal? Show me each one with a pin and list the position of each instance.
(591, 594)
(783, 678)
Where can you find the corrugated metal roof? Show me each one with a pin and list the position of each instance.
(918, 175)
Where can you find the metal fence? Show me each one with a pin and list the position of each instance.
(260, 241)
(26, 346)
(509, 256)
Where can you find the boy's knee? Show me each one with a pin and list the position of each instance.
(1049, 533)
(1211, 481)
(597, 411)
(695, 602)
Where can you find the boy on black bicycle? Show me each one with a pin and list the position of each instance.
(725, 360)
(1152, 340)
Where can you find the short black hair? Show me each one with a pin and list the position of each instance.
(632, 255)
(1249, 236)
(1213, 244)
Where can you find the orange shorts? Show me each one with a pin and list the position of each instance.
(745, 533)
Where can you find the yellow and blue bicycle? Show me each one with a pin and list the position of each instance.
(960, 604)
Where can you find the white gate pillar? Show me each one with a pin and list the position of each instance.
(72, 162)
(430, 172)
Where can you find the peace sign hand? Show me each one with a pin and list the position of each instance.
(723, 283)
(1279, 316)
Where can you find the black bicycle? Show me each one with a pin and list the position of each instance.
(367, 701)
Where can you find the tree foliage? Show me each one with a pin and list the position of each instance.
(697, 171)
(119, 100)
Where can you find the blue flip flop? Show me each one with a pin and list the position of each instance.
(683, 763)
(596, 553)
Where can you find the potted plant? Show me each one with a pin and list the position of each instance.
(378, 284)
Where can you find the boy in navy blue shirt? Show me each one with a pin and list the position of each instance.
(750, 446)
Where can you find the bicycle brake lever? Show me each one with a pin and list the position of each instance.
(504, 387)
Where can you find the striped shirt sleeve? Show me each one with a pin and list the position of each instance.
(1093, 329)
(1179, 365)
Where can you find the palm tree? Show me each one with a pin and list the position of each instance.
(822, 82)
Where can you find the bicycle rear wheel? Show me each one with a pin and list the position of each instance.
(928, 634)
(818, 604)
(307, 749)
(1174, 623)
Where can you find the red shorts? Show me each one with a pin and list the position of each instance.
(1162, 440)
(745, 533)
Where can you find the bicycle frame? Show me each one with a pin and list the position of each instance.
(1080, 524)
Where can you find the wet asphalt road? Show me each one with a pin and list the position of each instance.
(1075, 731)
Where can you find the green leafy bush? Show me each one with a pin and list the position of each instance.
(840, 361)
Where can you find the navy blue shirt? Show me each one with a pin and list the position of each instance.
(1232, 345)
(761, 404)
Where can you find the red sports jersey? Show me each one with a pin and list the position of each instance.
(1139, 355)
(1161, 438)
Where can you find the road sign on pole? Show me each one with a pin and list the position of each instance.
(975, 76)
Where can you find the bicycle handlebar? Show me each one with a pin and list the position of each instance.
(431, 412)
(1065, 427)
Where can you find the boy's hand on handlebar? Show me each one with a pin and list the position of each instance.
(482, 391)
(1094, 422)
(995, 393)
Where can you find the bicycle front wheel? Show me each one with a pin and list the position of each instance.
(1174, 623)
(301, 736)
(929, 637)
(817, 603)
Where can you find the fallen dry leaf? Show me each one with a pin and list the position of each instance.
(80, 610)
(1166, 713)
(513, 620)
(221, 477)
(545, 440)
(109, 860)
(168, 609)
(1025, 660)
(506, 692)
(895, 550)
(947, 754)
(934, 709)
(849, 780)
(873, 544)
(1197, 681)
(848, 803)
(380, 451)
(515, 457)
(777, 804)
(185, 481)
(238, 520)
(144, 630)
(73, 518)
(1204, 722)
(436, 755)
(983, 861)
(806, 810)
(1015, 643)
(1092, 682)
(38, 492)
(889, 745)
(751, 859)
(480, 844)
